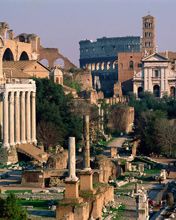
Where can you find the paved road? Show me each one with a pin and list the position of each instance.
(117, 142)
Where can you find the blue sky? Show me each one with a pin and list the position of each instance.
(63, 23)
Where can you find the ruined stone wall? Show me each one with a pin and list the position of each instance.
(91, 207)
(121, 119)
(108, 169)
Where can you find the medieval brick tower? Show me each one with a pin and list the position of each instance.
(149, 35)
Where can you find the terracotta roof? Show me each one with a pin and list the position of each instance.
(15, 69)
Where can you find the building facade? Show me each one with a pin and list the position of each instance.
(17, 110)
(100, 57)
(157, 76)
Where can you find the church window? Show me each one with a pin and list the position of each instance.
(131, 65)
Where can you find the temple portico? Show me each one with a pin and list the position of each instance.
(18, 113)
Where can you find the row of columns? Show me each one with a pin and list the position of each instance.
(19, 117)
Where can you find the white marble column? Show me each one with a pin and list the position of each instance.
(28, 117)
(11, 121)
(5, 120)
(33, 105)
(72, 160)
(17, 118)
(145, 79)
(23, 118)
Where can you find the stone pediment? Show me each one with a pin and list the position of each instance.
(155, 57)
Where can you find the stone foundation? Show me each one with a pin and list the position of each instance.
(91, 207)
(8, 156)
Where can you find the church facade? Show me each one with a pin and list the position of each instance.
(157, 76)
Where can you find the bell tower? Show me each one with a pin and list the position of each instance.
(149, 35)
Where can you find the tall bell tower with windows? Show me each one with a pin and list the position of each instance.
(149, 35)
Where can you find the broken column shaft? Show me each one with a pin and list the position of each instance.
(86, 161)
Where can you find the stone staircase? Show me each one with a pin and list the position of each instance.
(33, 152)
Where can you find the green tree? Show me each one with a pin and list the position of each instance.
(165, 136)
(11, 210)
(146, 131)
(55, 119)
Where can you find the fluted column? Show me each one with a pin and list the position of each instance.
(17, 118)
(28, 117)
(33, 118)
(23, 119)
(5, 121)
(11, 121)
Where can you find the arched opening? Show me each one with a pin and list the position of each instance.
(44, 62)
(172, 91)
(140, 91)
(59, 62)
(8, 55)
(131, 65)
(156, 91)
(108, 65)
(97, 66)
(93, 66)
(24, 56)
(102, 66)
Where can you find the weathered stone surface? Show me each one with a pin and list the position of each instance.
(59, 159)
(108, 169)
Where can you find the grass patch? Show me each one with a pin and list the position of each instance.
(152, 171)
(18, 191)
(37, 204)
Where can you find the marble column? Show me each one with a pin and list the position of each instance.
(72, 161)
(1, 54)
(5, 120)
(11, 121)
(86, 142)
(17, 118)
(33, 109)
(28, 117)
(23, 119)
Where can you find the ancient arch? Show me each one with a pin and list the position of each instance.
(102, 66)
(59, 62)
(97, 66)
(156, 90)
(93, 66)
(140, 91)
(44, 62)
(24, 56)
(108, 65)
(8, 55)
(52, 54)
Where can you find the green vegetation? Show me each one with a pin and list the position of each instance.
(37, 204)
(18, 191)
(72, 84)
(11, 210)
(153, 124)
(55, 119)
(115, 212)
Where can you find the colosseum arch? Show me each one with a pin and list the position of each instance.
(8, 55)
(24, 56)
